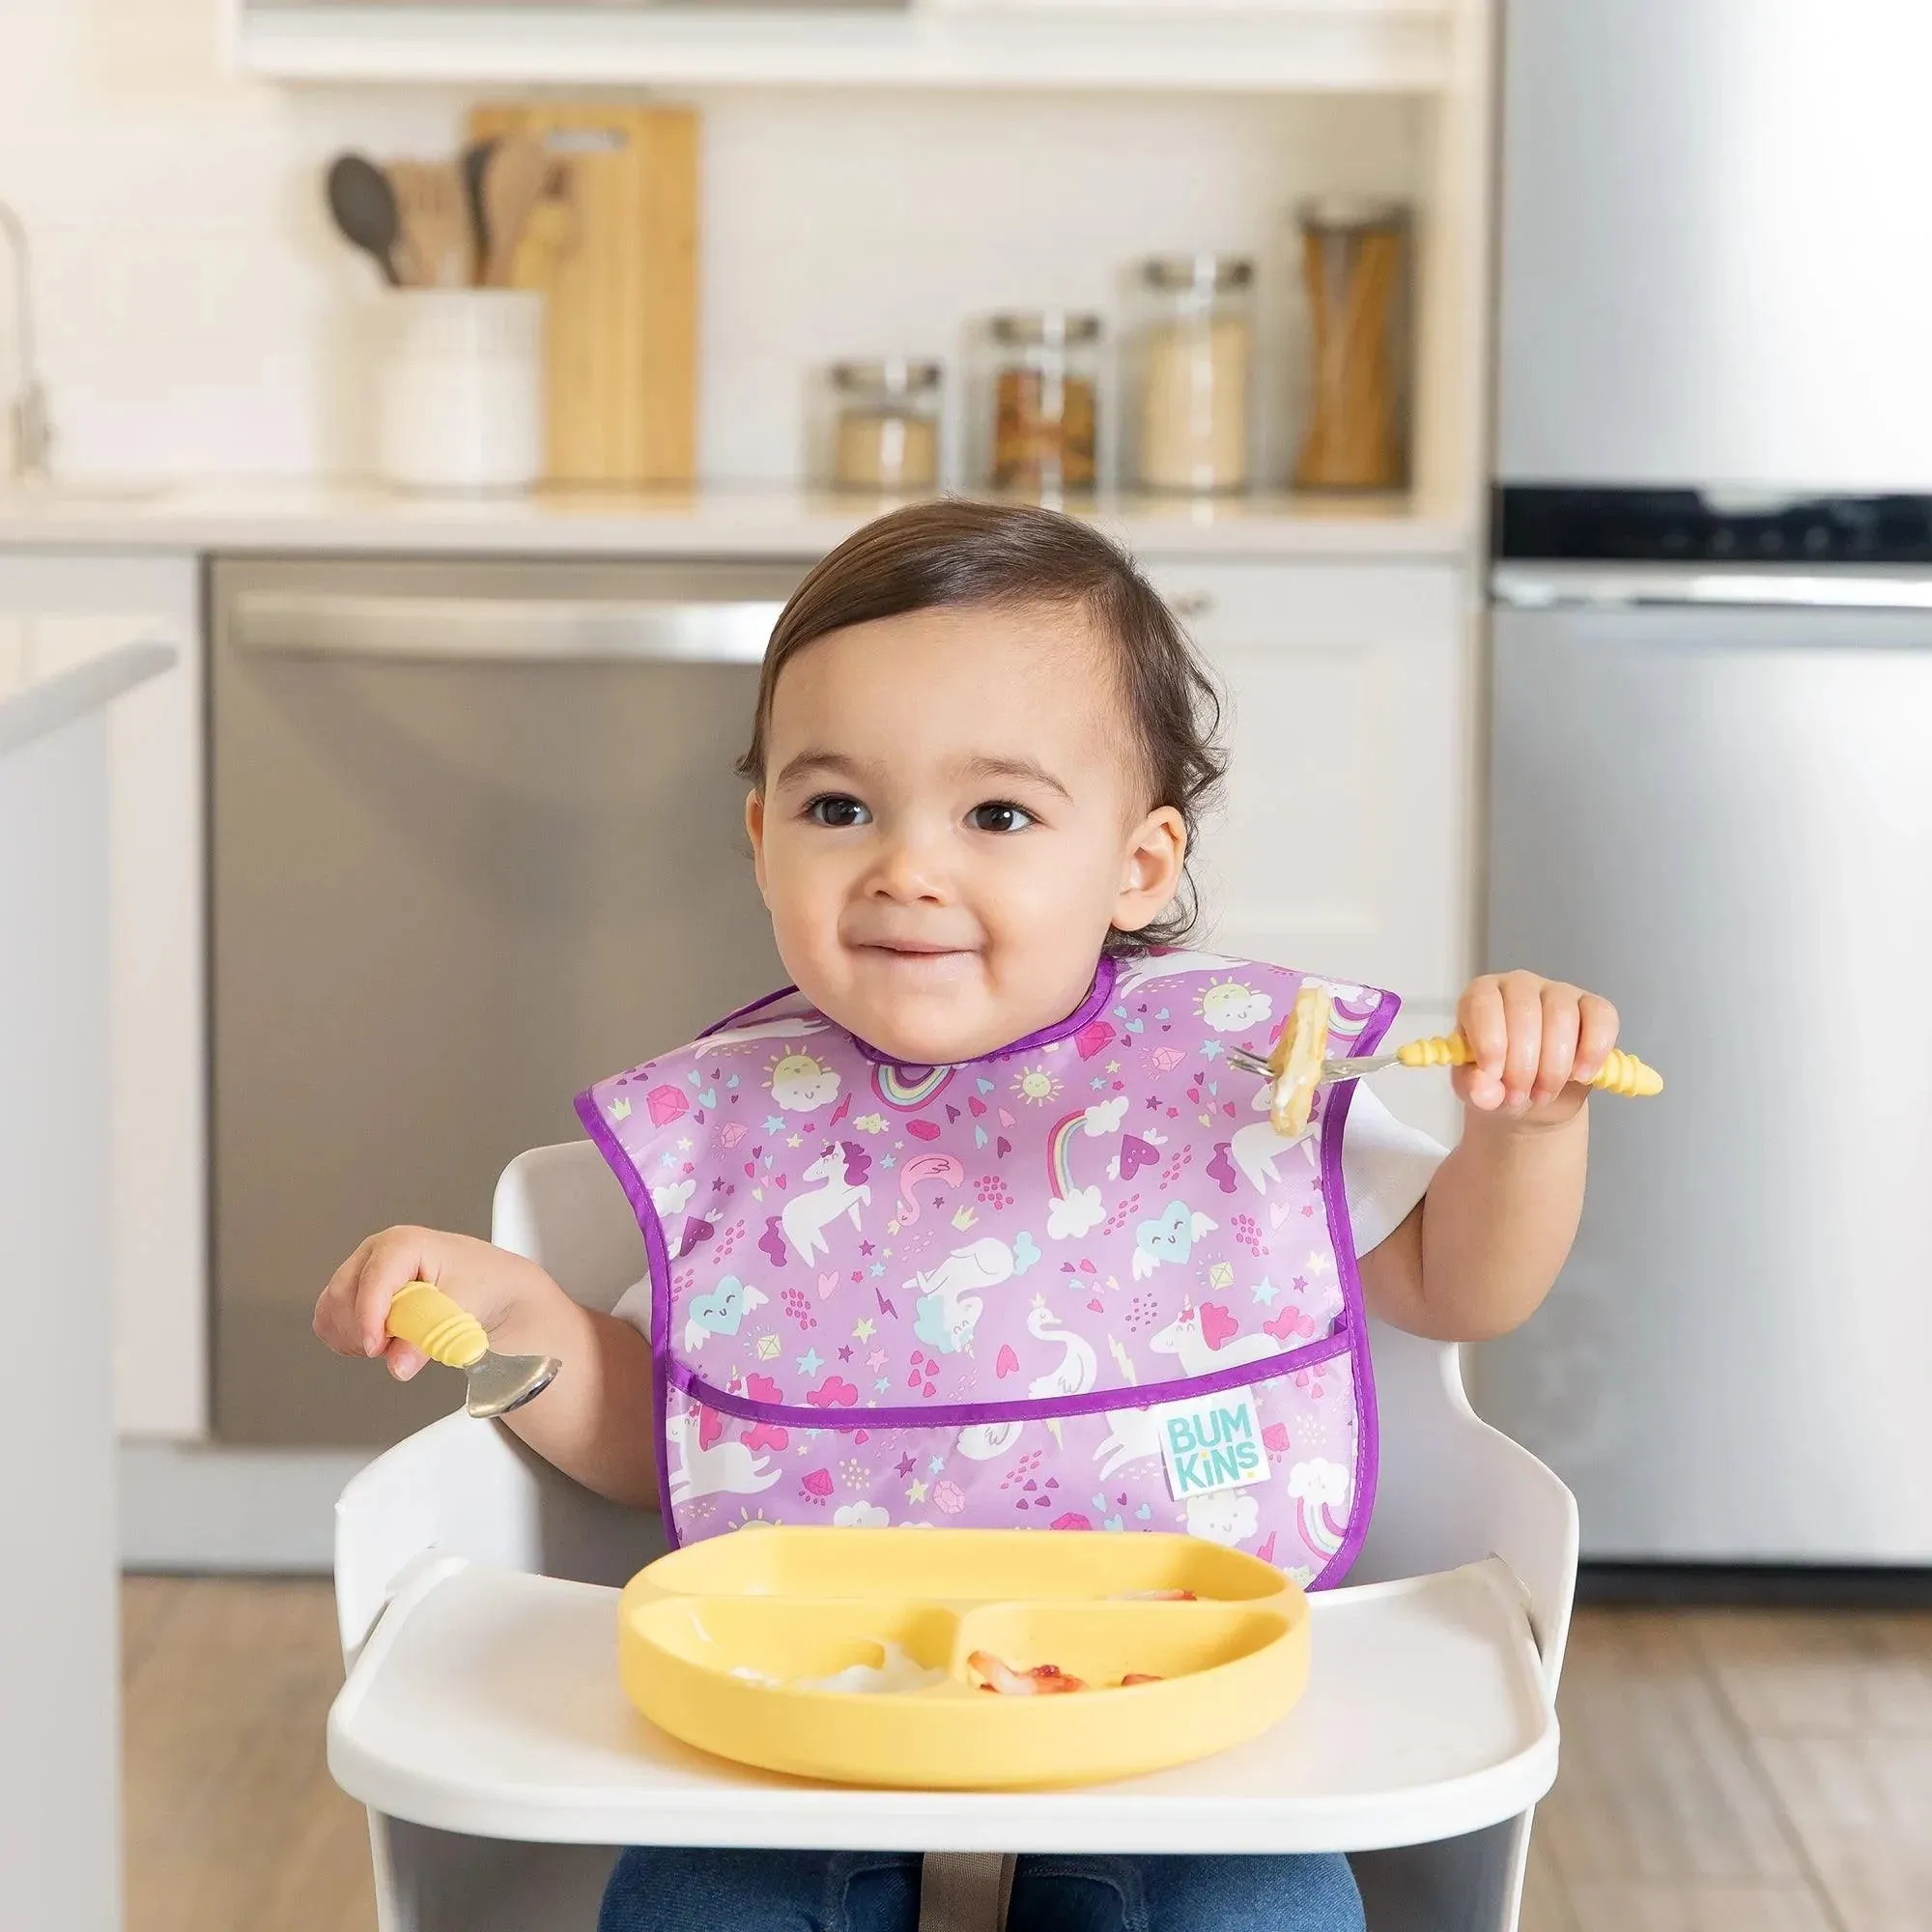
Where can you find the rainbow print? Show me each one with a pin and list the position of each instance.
(908, 1092)
(1059, 1157)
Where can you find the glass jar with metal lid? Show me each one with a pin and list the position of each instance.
(1192, 361)
(1043, 405)
(885, 428)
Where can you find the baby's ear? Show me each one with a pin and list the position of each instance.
(755, 831)
(1156, 853)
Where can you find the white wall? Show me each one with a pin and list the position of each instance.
(198, 315)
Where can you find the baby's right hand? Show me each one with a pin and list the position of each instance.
(502, 1289)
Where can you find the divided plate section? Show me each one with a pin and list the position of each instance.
(961, 1566)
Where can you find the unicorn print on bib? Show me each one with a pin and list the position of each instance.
(972, 1295)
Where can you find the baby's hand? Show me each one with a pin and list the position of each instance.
(497, 1287)
(1536, 1043)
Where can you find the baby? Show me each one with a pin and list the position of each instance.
(980, 749)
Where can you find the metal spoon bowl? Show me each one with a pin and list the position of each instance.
(363, 203)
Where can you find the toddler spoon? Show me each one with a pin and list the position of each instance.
(1621, 1074)
(429, 1321)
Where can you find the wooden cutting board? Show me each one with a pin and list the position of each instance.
(614, 245)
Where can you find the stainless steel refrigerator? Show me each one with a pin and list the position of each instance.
(1711, 780)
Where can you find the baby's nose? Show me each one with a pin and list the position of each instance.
(908, 867)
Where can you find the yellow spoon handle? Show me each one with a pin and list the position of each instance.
(1621, 1074)
(426, 1319)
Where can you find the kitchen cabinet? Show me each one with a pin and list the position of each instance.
(1342, 842)
(57, 609)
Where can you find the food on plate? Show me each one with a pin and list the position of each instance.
(895, 1674)
(1296, 1060)
(1043, 1680)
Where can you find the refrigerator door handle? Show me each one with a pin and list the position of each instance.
(1635, 585)
(500, 630)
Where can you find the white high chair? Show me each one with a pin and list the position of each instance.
(483, 1725)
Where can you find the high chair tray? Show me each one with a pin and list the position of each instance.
(488, 1702)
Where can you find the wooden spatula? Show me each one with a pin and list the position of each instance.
(429, 199)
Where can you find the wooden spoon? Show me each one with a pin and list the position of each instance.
(513, 181)
(364, 207)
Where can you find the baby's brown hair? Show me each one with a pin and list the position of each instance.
(952, 552)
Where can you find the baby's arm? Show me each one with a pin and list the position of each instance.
(1483, 1247)
(593, 1421)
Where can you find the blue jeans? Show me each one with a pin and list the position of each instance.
(664, 1889)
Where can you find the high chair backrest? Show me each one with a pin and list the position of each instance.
(1452, 1489)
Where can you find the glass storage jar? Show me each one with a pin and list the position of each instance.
(1192, 357)
(1043, 407)
(1354, 261)
(885, 425)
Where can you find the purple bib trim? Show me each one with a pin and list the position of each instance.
(986, 1294)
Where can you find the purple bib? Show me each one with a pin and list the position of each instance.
(1079, 1284)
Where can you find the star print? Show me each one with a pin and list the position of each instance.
(684, 1146)
(937, 1466)
(1113, 1066)
(863, 1330)
(864, 1247)
(1211, 1049)
(888, 1161)
(1265, 1291)
(669, 1158)
(907, 1465)
(883, 1384)
(1099, 1085)
(809, 1363)
(877, 1360)
(915, 1492)
(1300, 1282)
(1154, 1103)
(846, 1353)
(877, 1268)
(719, 1185)
(794, 1140)
(775, 1124)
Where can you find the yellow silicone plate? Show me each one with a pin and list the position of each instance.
(777, 1606)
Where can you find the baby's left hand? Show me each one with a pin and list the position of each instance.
(1536, 1043)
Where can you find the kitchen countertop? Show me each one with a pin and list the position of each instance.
(31, 705)
(284, 518)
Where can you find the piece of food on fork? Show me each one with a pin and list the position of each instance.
(1295, 1063)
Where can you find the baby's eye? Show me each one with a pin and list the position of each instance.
(999, 817)
(837, 811)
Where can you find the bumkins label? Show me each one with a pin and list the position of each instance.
(1214, 1442)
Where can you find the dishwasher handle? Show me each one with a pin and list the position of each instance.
(502, 630)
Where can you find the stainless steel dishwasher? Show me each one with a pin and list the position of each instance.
(475, 839)
(1712, 798)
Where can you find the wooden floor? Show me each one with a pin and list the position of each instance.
(1722, 1770)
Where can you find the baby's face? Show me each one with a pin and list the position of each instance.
(952, 818)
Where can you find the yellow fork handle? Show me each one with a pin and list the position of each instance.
(428, 1321)
(1621, 1074)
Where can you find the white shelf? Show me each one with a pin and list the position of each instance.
(487, 1702)
(1235, 46)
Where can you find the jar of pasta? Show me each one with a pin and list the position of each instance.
(885, 425)
(1044, 383)
(1354, 264)
(1192, 354)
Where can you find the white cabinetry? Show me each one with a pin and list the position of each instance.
(57, 609)
(1343, 845)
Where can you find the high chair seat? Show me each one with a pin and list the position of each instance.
(483, 1725)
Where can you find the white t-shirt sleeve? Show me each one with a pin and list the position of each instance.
(634, 1306)
(1386, 1168)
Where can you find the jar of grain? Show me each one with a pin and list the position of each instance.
(1193, 351)
(1044, 407)
(885, 431)
(1354, 261)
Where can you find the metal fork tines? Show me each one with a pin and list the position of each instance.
(1331, 1069)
